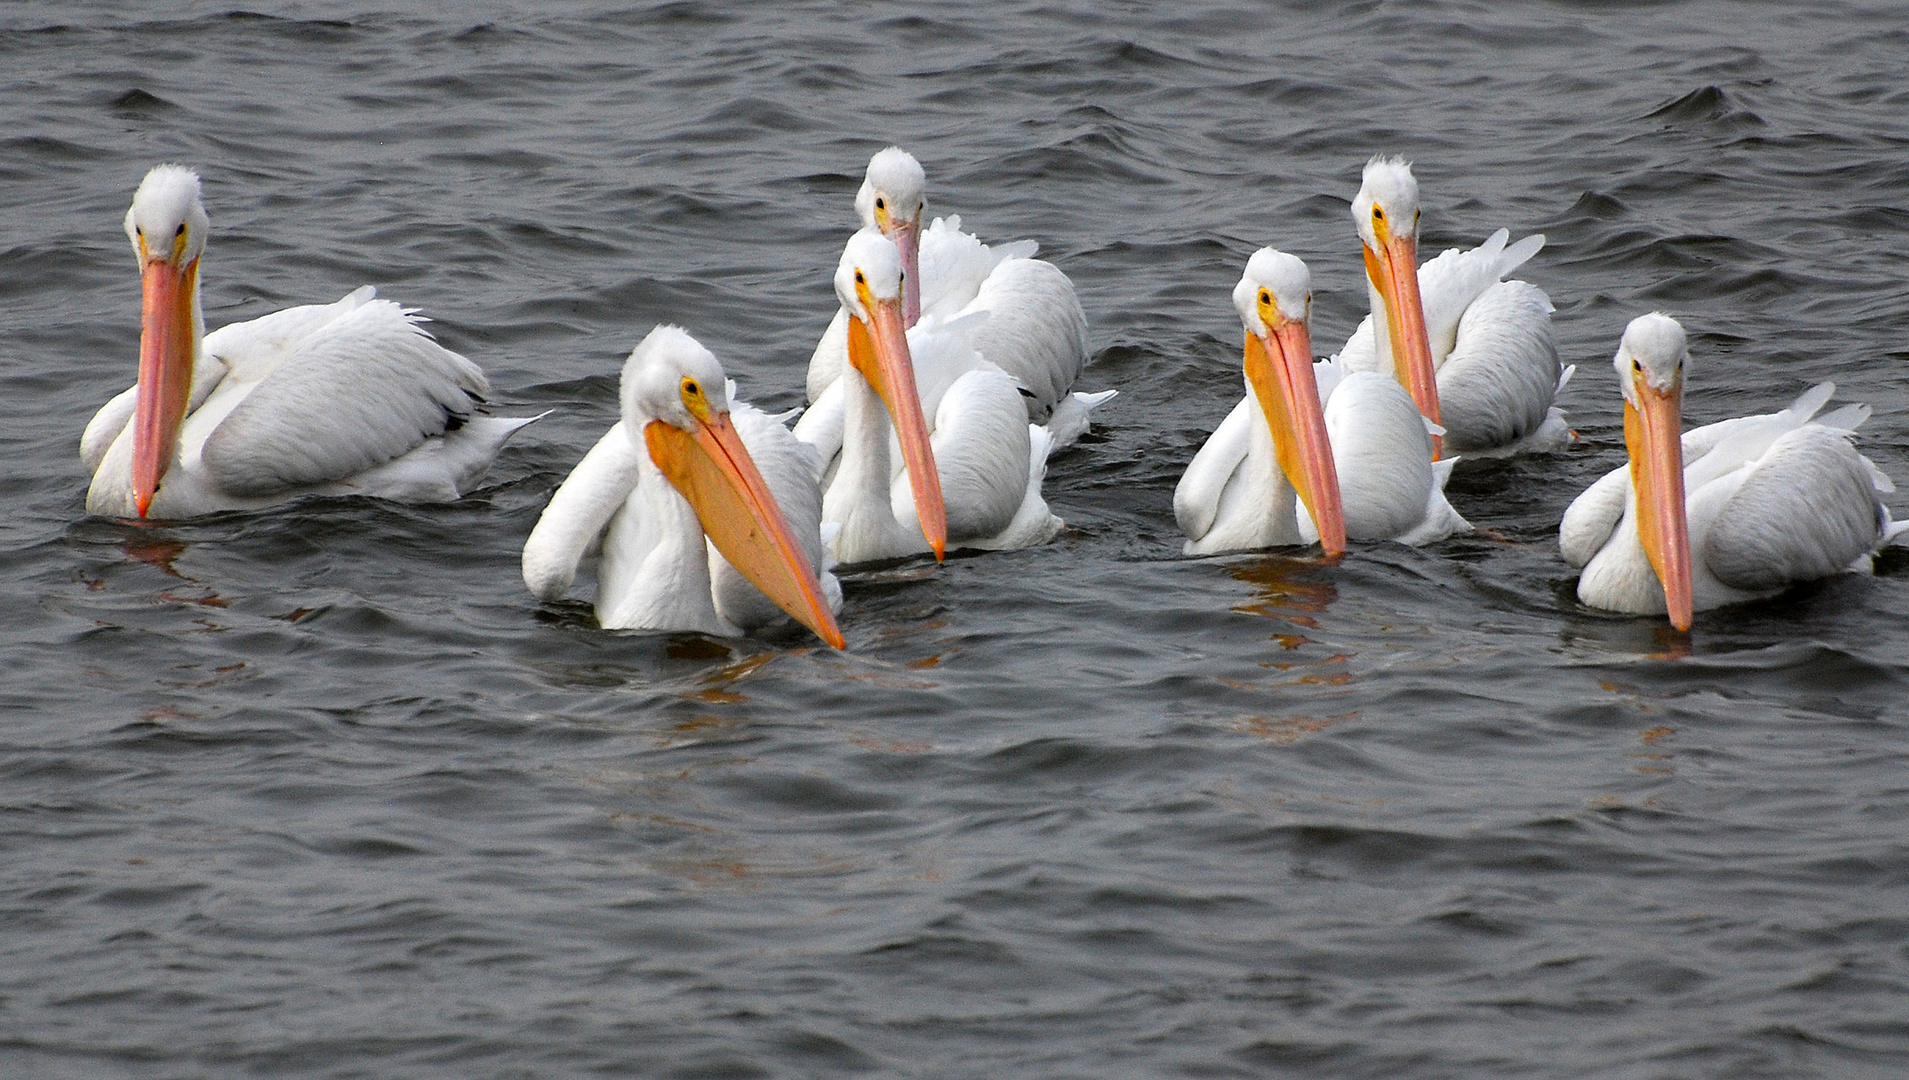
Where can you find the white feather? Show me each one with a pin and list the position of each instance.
(344, 398)
(657, 568)
(1771, 500)
(1493, 348)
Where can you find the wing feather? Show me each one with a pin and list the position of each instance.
(1035, 330)
(579, 510)
(1593, 516)
(1805, 510)
(955, 263)
(1196, 498)
(1498, 382)
(368, 387)
(982, 449)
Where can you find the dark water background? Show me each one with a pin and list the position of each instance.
(322, 792)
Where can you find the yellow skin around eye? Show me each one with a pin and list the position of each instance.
(1269, 312)
(694, 401)
(179, 240)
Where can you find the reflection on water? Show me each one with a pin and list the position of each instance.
(696, 647)
(1291, 589)
(1285, 730)
(152, 548)
(1647, 637)
(1656, 760)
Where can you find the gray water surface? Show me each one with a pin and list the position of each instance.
(322, 791)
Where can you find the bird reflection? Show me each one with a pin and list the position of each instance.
(154, 550)
(1672, 643)
(1650, 641)
(1288, 589)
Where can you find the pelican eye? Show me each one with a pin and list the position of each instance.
(1637, 365)
(181, 230)
(690, 389)
(1378, 213)
(1265, 297)
(139, 231)
(880, 204)
(859, 279)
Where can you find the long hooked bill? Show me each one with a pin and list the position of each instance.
(879, 350)
(907, 238)
(1395, 274)
(1657, 477)
(1280, 372)
(714, 471)
(165, 373)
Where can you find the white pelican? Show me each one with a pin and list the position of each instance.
(1350, 444)
(971, 465)
(689, 463)
(1729, 512)
(1477, 353)
(351, 398)
(1035, 329)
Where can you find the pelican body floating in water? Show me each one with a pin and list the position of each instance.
(935, 448)
(350, 398)
(706, 510)
(1477, 353)
(1732, 511)
(1312, 452)
(1034, 329)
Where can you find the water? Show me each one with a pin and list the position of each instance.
(322, 792)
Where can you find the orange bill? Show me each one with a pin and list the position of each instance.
(1280, 371)
(165, 373)
(879, 350)
(1655, 440)
(713, 470)
(1395, 274)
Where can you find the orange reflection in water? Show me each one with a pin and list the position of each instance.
(717, 687)
(1295, 591)
(1284, 731)
(159, 551)
(1672, 643)
(1291, 590)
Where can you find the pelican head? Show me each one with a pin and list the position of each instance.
(868, 282)
(167, 226)
(1386, 213)
(1650, 369)
(1274, 300)
(891, 200)
(675, 394)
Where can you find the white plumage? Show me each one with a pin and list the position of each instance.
(1768, 500)
(1239, 493)
(922, 419)
(660, 569)
(1493, 353)
(1036, 331)
(345, 398)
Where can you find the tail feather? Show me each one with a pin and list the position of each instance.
(1520, 253)
(1564, 380)
(1070, 418)
(1847, 418)
(1810, 401)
